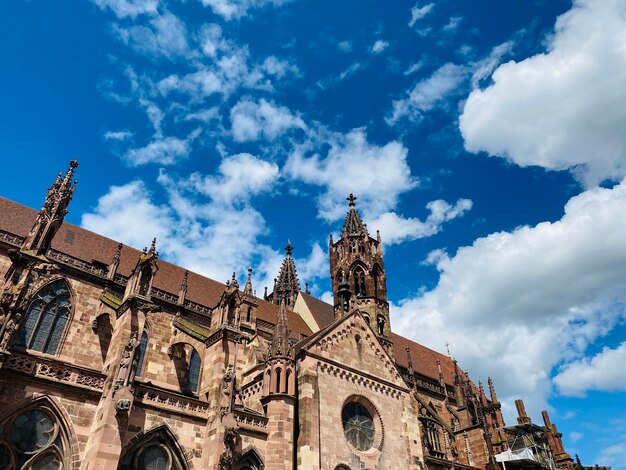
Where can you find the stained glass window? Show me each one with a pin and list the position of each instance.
(153, 458)
(31, 439)
(143, 345)
(194, 372)
(358, 426)
(46, 318)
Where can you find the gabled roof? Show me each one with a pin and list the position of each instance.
(87, 246)
(323, 313)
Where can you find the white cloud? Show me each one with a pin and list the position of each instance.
(417, 13)
(485, 67)
(118, 135)
(126, 213)
(131, 8)
(240, 177)
(563, 109)
(414, 67)
(453, 24)
(575, 436)
(376, 174)
(166, 36)
(236, 9)
(162, 150)
(613, 455)
(345, 46)
(517, 304)
(396, 229)
(379, 46)
(251, 120)
(605, 371)
(428, 93)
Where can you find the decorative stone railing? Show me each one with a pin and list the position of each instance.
(169, 401)
(57, 372)
(77, 263)
(250, 421)
(11, 239)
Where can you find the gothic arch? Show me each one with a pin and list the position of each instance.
(188, 366)
(45, 329)
(102, 327)
(62, 445)
(250, 460)
(158, 442)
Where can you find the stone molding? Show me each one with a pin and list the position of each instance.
(359, 379)
(172, 402)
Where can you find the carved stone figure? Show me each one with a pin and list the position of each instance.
(11, 327)
(125, 370)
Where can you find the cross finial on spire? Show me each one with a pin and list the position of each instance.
(448, 348)
(351, 198)
(288, 248)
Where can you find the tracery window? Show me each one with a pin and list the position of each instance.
(157, 451)
(358, 426)
(359, 282)
(46, 318)
(433, 439)
(32, 440)
(143, 346)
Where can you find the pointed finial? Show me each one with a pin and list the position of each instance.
(306, 288)
(448, 349)
(492, 390)
(330, 239)
(153, 246)
(351, 198)
(288, 248)
(265, 294)
(248, 288)
(183, 284)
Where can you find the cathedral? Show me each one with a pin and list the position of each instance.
(112, 358)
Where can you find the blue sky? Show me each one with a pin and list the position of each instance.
(484, 139)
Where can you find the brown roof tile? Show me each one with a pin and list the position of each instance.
(88, 246)
(323, 313)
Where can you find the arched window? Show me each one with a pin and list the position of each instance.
(376, 279)
(359, 282)
(141, 355)
(250, 460)
(158, 450)
(433, 438)
(193, 377)
(33, 439)
(278, 374)
(249, 315)
(381, 325)
(46, 318)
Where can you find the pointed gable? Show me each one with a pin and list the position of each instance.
(350, 342)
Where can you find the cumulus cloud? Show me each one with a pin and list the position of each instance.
(118, 135)
(251, 120)
(239, 178)
(379, 46)
(417, 13)
(562, 109)
(517, 304)
(165, 35)
(162, 150)
(236, 9)
(605, 371)
(377, 174)
(129, 8)
(428, 93)
(397, 229)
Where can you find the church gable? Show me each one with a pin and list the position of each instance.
(351, 342)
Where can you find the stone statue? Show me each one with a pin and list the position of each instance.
(11, 327)
(227, 384)
(124, 372)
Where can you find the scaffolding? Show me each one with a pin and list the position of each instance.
(527, 448)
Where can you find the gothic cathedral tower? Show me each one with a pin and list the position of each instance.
(358, 275)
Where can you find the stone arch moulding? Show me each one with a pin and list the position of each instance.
(250, 459)
(71, 457)
(160, 436)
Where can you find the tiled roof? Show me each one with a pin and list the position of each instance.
(323, 313)
(88, 246)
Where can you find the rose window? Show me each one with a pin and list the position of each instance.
(358, 426)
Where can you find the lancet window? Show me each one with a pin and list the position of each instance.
(193, 377)
(157, 451)
(46, 318)
(433, 438)
(381, 324)
(359, 282)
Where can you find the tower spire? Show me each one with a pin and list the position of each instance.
(280, 345)
(52, 213)
(353, 226)
(286, 286)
